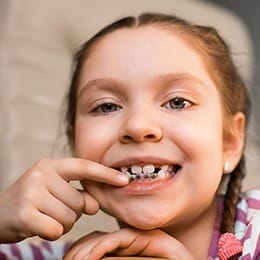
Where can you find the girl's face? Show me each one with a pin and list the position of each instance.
(145, 99)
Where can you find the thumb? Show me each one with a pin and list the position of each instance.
(91, 205)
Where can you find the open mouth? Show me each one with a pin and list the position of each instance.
(150, 171)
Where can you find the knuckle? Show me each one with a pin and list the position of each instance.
(42, 163)
(86, 166)
(79, 203)
(45, 164)
(36, 175)
(45, 161)
(69, 220)
(27, 196)
(71, 217)
(53, 233)
(24, 217)
(82, 166)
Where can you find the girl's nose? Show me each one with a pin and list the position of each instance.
(140, 128)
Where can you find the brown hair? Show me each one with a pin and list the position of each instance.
(220, 66)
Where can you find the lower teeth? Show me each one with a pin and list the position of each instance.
(153, 175)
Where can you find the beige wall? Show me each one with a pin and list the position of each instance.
(37, 40)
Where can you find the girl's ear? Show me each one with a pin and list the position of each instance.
(234, 142)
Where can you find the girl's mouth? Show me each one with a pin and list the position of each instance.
(147, 179)
(150, 171)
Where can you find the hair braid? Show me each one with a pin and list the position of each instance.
(231, 197)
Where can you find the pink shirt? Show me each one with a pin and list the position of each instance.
(247, 226)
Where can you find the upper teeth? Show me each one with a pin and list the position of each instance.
(148, 170)
(136, 169)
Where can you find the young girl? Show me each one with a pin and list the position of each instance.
(156, 114)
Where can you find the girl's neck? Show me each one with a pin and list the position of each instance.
(196, 236)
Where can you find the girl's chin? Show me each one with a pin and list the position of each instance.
(141, 223)
(145, 216)
(146, 226)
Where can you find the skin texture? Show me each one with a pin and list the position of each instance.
(141, 75)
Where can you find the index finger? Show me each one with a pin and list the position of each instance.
(80, 169)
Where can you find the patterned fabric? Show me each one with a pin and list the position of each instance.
(43, 250)
(247, 230)
(247, 227)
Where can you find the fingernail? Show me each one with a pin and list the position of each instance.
(123, 178)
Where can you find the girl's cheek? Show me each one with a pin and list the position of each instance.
(91, 140)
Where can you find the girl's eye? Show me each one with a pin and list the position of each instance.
(107, 108)
(178, 103)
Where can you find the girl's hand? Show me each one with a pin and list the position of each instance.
(42, 202)
(128, 242)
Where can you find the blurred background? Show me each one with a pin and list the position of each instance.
(249, 13)
(37, 43)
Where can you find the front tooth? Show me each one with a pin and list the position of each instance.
(153, 175)
(170, 169)
(136, 169)
(128, 174)
(124, 169)
(148, 169)
(161, 174)
(132, 177)
(165, 167)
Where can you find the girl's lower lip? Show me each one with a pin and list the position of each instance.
(148, 186)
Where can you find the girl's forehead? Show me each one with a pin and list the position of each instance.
(136, 53)
(139, 40)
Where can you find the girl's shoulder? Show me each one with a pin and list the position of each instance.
(34, 250)
(249, 206)
(252, 195)
(247, 225)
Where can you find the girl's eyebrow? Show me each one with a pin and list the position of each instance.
(99, 84)
(162, 79)
(172, 78)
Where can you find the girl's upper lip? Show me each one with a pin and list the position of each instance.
(142, 161)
